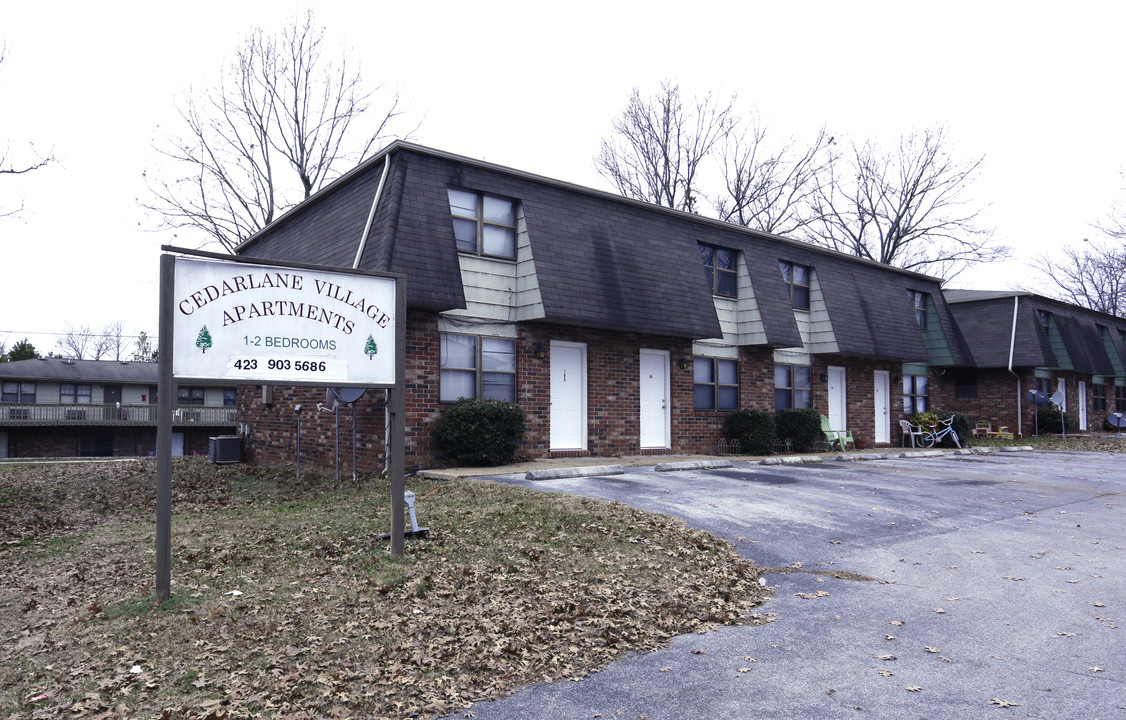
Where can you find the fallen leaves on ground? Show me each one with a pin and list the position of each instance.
(1002, 703)
(511, 587)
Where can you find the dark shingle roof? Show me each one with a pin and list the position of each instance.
(601, 260)
(986, 320)
(67, 370)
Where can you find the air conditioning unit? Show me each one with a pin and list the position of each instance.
(225, 449)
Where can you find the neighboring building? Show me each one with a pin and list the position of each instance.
(56, 407)
(618, 326)
(1022, 342)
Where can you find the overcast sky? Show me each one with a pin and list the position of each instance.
(1034, 87)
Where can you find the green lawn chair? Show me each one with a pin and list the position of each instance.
(842, 438)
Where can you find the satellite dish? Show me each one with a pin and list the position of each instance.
(349, 394)
(332, 400)
(1117, 420)
(1058, 398)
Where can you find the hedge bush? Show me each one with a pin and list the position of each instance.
(801, 426)
(754, 429)
(1049, 420)
(481, 432)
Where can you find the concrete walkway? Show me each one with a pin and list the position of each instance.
(586, 465)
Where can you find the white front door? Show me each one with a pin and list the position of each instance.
(838, 415)
(1082, 405)
(654, 390)
(881, 399)
(177, 444)
(3, 444)
(568, 396)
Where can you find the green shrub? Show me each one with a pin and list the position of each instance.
(481, 432)
(754, 429)
(924, 420)
(1050, 422)
(801, 426)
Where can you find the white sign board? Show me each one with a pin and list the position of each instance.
(257, 323)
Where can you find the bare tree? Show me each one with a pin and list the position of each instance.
(658, 145)
(75, 342)
(285, 120)
(111, 343)
(10, 166)
(1091, 276)
(907, 208)
(769, 191)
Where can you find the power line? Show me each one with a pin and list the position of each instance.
(65, 333)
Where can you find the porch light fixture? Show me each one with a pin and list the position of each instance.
(540, 352)
(684, 364)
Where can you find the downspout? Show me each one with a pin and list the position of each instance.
(371, 215)
(355, 266)
(1012, 347)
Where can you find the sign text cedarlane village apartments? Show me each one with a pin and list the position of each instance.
(236, 321)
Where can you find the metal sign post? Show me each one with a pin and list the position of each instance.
(166, 401)
(247, 320)
(397, 402)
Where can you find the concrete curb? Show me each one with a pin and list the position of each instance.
(583, 471)
(792, 460)
(693, 465)
(573, 472)
(861, 457)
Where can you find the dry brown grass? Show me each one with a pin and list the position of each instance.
(511, 587)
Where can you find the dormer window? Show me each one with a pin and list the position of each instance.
(796, 278)
(1045, 318)
(719, 266)
(919, 302)
(483, 224)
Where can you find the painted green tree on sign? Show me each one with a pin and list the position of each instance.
(203, 340)
(370, 348)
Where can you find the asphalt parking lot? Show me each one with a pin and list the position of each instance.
(997, 590)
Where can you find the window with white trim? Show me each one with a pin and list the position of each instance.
(483, 224)
(474, 366)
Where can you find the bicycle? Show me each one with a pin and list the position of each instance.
(930, 439)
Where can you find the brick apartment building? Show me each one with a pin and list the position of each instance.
(619, 327)
(622, 327)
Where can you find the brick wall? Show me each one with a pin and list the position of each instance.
(122, 442)
(996, 399)
(613, 400)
